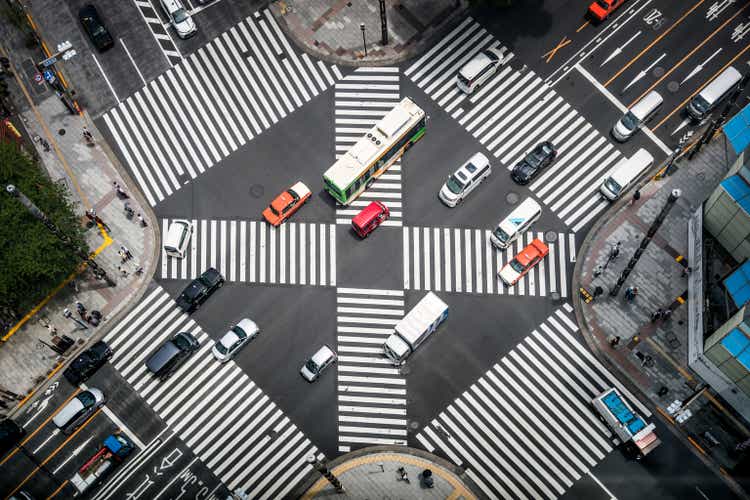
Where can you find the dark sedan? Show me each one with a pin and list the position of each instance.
(88, 362)
(95, 29)
(200, 289)
(539, 157)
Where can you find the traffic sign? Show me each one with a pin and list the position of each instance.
(49, 76)
(48, 62)
(38, 78)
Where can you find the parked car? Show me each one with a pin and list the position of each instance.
(179, 18)
(523, 262)
(602, 9)
(235, 339)
(322, 359)
(286, 204)
(200, 289)
(171, 354)
(539, 158)
(95, 28)
(78, 409)
(480, 69)
(88, 362)
(10, 434)
(464, 180)
(370, 218)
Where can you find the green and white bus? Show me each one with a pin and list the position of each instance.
(356, 170)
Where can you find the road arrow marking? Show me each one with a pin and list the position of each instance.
(717, 8)
(54, 433)
(740, 31)
(618, 50)
(73, 454)
(681, 126)
(643, 73)
(700, 66)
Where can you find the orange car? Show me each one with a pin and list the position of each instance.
(601, 9)
(286, 204)
(523, 262)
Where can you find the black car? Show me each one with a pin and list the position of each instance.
(95, 28)
(171, 354)
(88, 362)
(10, 435)
(539, 157)
(200, 289)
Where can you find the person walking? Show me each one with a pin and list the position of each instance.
(636, 197)
(630, 293)
(87, 135)
(142, 220)
(656, 315)
(123, 271)
(598, 270)
(666, 315)
(120, 191)
(126, 252)
(81, 309)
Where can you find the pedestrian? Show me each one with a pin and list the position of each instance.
(630, 293)
(123, 257)
(598, 270)
(636, 196)
(99, 220)
(81, 309)
(615, 341)
(87, 135)
(615, 251)
(52, 329)
(142, 220)
(120, 191)
(123, 271)
(686, 271)
(126, 251)
(656, 315)
(666, 315)
(91, 216)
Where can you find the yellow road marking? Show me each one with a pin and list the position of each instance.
(549, 55)
(583, 26)
(697, 446)
(54, 493)
(648, 47)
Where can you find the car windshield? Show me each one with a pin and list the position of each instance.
(192, 292)
(273, 210)
(180, 15)
(535, 157)
(526, 169)
(613, 186)
(629, 121)
(501, 235)
(86, 398)
(240, 332)
(493, 57)
(517, 267)
(221, 348)
(603, 4)
(99, 30)
(700, 104)
(310, 365)
(463, 79)
(181, 342)
(454, 185)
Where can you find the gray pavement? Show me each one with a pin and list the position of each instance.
(331, 30)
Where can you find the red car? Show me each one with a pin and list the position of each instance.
(523, 262)
(286, 204)
(601, 9)
(369, 218)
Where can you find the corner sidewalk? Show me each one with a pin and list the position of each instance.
(26, 358)
(653, 355)
(331, 30)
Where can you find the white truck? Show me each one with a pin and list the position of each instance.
(114, 450)
(414, 328)
(638, 437)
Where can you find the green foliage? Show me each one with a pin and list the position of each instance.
(33, 260)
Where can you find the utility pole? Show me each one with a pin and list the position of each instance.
(320, 467)
(364, 42)
(383, 24)
(88, 258)
(673, 196)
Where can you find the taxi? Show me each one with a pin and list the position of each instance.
(602, 9)
(523, 262)
(370, 218)
(286, 204)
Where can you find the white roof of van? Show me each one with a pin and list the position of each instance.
(421, 316)
(630, 168)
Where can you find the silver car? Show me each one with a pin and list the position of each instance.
(235, 339)
(78, 410)
(319, 361)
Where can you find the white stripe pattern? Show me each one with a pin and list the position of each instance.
(371, 391)
(295, 253)
(465, 261)
(225, 419)
(212, 103)
(513, 112)
(526, 429)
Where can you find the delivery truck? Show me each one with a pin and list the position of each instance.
(414, 328)
(638, 437)
(114, 450)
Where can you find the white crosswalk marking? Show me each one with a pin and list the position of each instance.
(362, 99)
(371, 391)
(254, 252)
(513, 112)
(222, 113)
(465, 261)
(227, 421)
(526, 428)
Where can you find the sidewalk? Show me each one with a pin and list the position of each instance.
(331, 30)
(653, 355)
(88, 171)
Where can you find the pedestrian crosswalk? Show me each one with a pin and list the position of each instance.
(513, 112)
(371, 391)
(227, 421)
(159, 30)
(361, 100)
(295, 253)
(526, 428)
(464, 261)
(212, 103)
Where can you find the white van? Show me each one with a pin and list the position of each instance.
(625, 173)
(637, 116)
(178, 238)
(179, 18)
(468, 176)
(518, 222)
(712, 94)
(480, 69)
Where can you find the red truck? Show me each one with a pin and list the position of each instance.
(602, 9)
(114, 450)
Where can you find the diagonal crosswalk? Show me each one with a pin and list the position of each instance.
(227, 421)
(295, 253)
(362, 99)
(513, 112)
(464, 261)
(371, 391)
(212, 103)
(150, 14)
(526, 429)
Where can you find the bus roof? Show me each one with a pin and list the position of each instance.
(376, 141)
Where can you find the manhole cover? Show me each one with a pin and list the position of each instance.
(658, 72)
(555, 296)
(413, 425)
(512, 198)
(701, 176)
(257, 190)
(673, 86)
(61, 131)
(550, 236)
(404, 370)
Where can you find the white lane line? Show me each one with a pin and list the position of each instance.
(611, 496)
(105, 78)
(122, 42)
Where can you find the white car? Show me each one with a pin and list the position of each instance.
(465, 180)
(235, 339)
(319, 361)
(180, 18)
(481, 68)
(78, 409)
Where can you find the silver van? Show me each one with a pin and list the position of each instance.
(625, 173)
(518, 222)
(636, 116)
(178, 238)
(313, 367)
(480, 69)
(713, 93)
(179, 18)
(468, 176)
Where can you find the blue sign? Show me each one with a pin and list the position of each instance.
(49, 76)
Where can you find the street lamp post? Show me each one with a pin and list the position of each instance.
(364, 42)
(98, 271)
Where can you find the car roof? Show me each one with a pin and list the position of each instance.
(366, 214)
(473, 67)
(323, 355)
(477, 160)
(534, 249)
